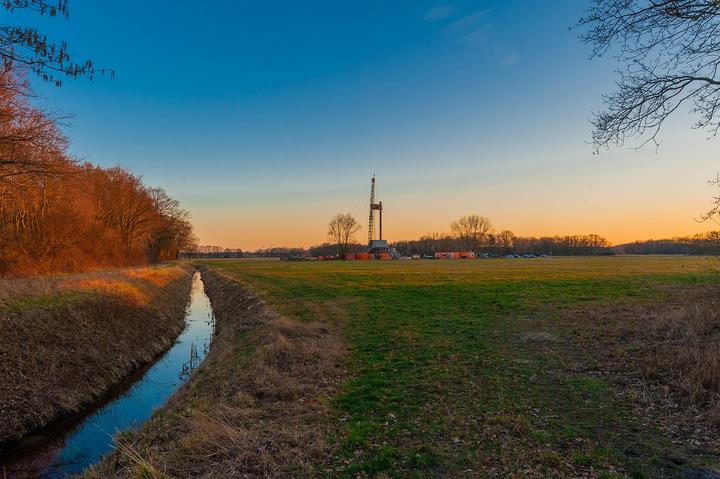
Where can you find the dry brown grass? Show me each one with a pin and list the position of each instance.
(257, 407)
(157, 276)
(684, 347)
(666, 356)
(137, 285)
(142, 468)
(65, 341)
(13, 289)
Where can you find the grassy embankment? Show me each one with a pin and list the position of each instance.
(559, 367)
(255, 407)
(66, 340)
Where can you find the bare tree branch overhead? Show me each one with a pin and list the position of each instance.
(30, 49)
(715, 210)
(670, 50)
(31, 141)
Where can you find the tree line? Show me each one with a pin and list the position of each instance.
(475, 233)
(505, 242)
(469, 233)
(700, 244)
(57, 214)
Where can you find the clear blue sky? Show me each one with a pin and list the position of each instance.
(266, 118)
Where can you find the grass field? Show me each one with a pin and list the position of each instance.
(493, 368)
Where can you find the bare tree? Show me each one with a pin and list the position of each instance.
(126, 206)
(670, 50)
(472, 231)
(715, 210)
(505, 241)
(341, 231)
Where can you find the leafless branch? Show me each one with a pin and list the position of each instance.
(670, 50)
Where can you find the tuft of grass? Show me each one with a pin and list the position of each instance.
(593, 387)
(142, 467)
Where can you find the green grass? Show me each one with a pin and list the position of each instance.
(442, 381)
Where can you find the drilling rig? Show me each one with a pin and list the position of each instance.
(373, 206)
(377, 248)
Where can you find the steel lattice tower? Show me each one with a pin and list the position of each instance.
(373, 206)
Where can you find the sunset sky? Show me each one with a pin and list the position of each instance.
(267, 118)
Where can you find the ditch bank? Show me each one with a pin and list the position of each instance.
(258, 406)
(62, 354)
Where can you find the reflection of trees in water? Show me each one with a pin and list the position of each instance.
(195, 357)
(190, 365)
(210, 322)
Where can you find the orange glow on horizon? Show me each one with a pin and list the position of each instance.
(623, 197)
(306, 232)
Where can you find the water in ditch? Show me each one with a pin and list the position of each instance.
(70, 447)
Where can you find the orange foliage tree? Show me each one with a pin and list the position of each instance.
(59, 215)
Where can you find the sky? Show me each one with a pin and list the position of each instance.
(265, 119)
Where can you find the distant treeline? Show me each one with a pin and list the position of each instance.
(327, 249)
(57, 214)
(505, 243)
(701, 244)
(212, 252)
(499, 244)
(277, 252)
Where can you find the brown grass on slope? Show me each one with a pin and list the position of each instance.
(65, 341)
(134, 283)
(257, 407)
